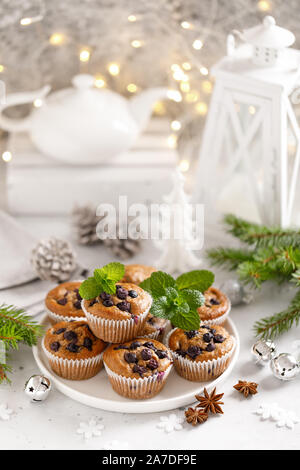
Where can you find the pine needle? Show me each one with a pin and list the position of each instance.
(230, 257)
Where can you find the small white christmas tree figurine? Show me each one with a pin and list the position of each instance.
(177, 242)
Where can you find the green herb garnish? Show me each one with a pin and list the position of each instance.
(104, 280)
(178, 299)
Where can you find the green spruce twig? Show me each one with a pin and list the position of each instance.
(275, 325)
(229, 257)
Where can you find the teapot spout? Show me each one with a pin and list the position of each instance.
(141, 105)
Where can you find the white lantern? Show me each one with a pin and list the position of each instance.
(250, 124)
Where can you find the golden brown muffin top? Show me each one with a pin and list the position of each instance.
(138, 358)
(130, 301)
(153, 324)
(137, 273)
(216, 304)
(204, 344)
(65, 300)
(73, 340)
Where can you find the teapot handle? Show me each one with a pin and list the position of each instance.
(19, 125)
(231, 42)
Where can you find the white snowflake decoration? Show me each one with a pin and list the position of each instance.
(90, 429)
(115, 445)
(275, 413)
(172, 422)
(5, 412)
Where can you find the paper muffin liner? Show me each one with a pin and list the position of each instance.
(200, 371)
(74, 369)
(138, 389)
(158, 335)
(56, 318)
(115, 331)
(218, 320)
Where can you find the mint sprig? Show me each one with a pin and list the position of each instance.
(178, 300)
(104, 280)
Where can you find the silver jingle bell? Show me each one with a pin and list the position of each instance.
(37, 388)
(285, 366)
(263, 351)
(236, 292)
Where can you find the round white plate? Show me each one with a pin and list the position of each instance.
(97, 392)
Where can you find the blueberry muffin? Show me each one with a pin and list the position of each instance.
(73, 351)
(138, 369)
(137, 273)
(154, 327)
(63, 303)
(201, 355)
(119, 317)
(216, 307)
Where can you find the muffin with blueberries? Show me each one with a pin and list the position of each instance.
(138, 369)
(63, 302)
(118, 317)
(216, 307)
(137, 273)
(154, 327)
(201, 355)
(73, 351)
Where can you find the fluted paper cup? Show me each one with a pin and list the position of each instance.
(200, 371)
(115, 331)
(56, 318)
(74, 369)
(138, 389)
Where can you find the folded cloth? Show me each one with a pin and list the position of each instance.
(15, 249)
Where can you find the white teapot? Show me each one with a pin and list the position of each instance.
(82, 124)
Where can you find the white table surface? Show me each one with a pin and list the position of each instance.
(52, 424)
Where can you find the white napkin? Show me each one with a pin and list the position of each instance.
(15, 249)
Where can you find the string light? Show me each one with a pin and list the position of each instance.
(184, 165)
(114, 69)
(252, 109)
(2, 68)
(84, 55)
(174, 95)
(29, 20)
(38, 102)
(25, 21)
(175, 125)
(192, 97)
(132, 18)
(201, 108)
(185, 87)
(186, 25)
(203, 70)
(159, 108)
(6, 156)
(56, 39)
(132, 88)
(136, 43)
(180, 75)
(172, 141)
(186, 66)
(99, 82)
(175, 67)
(263, 5)
(206, 86)
(197, 44)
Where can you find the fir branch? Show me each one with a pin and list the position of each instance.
(16, 325)
(255, 273)
(261, 235)
(4, 370)
(275, 325)
(230, 257)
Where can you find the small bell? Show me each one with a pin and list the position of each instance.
(236, 292)
(263, 351)
(285, 366)
(37, 388)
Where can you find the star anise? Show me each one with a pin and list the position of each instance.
(210, 402)
(247, 388)
(195, 416)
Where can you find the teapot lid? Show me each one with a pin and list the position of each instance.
(268, 34)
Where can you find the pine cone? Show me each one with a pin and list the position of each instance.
(53, 260)
(84, 223)
(123, 248)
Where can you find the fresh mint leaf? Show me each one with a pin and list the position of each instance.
(89, 289)
(199, 279)
(171, 294)
(159, 281)
(186, 319)
(107, 276)
(114, 271)
(159, 308)
(146, 285)
(193, 297)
